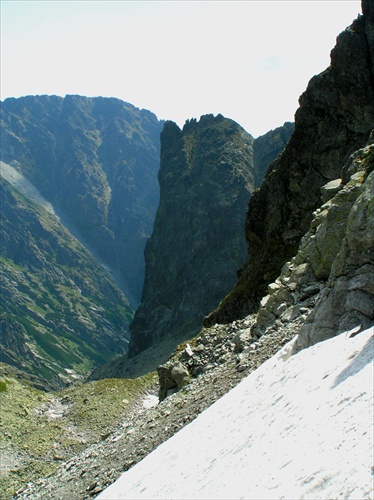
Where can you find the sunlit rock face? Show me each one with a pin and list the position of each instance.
(335, 118)
(206, 178)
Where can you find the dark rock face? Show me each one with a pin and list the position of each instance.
(206, 178)
(61, 312)
(335, 118)
(97, 160)
(267, 147)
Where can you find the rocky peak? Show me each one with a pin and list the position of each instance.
(206, 178)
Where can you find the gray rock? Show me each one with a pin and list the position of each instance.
(172, 375)
(180, 374)
(330, 189)
(347, 300)
(242, 340)
(328, 286)
(206, 179)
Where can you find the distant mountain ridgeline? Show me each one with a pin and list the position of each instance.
(96, 160)
(80, 190)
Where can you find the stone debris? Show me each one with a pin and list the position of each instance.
(218, 367)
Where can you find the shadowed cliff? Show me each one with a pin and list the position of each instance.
(335, 118)
(206, 177)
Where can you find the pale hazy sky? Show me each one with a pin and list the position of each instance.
(248, 60)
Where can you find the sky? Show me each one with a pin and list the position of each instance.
(248, 60)
(298, 427)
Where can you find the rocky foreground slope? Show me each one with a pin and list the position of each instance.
(140, 426)
(209, 365)
(321, 284)
(284, 432)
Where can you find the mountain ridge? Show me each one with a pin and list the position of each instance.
(96, 159)
(313, 281)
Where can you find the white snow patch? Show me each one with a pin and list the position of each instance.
(294, 429)
(25, 187)
(150, 401)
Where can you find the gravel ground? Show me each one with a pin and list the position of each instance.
(149, 422)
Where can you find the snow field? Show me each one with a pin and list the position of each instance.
(299, 427)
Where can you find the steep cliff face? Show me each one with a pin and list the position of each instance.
(328, 286)
(335, 118)
(97, 160)
(267, 147)
(206, 177)
(61, 312)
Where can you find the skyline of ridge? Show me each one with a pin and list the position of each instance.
(178, 59)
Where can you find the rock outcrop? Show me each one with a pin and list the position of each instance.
(328, 286)
(206, 178)
(335, 118)
(96, 159)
